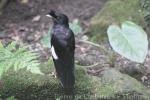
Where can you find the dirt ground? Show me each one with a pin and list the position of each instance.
(22, 14)
(27, 22)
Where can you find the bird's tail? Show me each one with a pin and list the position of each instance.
(68, 80)
(65, 73)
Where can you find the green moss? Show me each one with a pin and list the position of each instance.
(114, 84)
(115, 11)
(83, 84)
(25, 85)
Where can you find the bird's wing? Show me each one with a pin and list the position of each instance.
(59, 46)
(63, 43)
(54, 47)
(71, 40)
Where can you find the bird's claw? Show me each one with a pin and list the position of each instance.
(54, 74)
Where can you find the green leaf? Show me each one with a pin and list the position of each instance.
(11, 98)
(35, 69)
(1, 45)
(130, 41)
(18, 59)
(57, 98)
(46, 39)
(11, 46)
(75, 26)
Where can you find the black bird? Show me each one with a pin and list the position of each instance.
(62, 48)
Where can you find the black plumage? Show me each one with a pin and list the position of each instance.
(63, 46)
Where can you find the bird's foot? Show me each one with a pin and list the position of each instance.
(54, 74)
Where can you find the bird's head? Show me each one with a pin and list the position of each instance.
(58, 18)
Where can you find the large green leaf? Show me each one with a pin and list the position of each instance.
(130, 41)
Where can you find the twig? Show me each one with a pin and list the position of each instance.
(92, 65)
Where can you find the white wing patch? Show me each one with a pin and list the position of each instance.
(54, 53)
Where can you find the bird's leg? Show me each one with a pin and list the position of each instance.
(54, 74)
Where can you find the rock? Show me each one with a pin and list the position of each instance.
(115, 11)
(85, 37)
(131, 69)
(113, 84)
(30, 38)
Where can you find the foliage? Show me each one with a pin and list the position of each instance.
(75, 26)
(146, 8)
(20, 58)
(46, 39)
(24, 85)
(11, 98)
(130, 41)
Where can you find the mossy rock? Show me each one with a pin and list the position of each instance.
(117, 86)
(24, 85)
(115, 12)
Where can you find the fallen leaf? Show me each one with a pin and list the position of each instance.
(36, 18)
(24, 1)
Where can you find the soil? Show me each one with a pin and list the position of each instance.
(22, 14)
(27, 22)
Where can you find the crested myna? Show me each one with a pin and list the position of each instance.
(62, 49)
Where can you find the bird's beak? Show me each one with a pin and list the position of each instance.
(51, 17)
